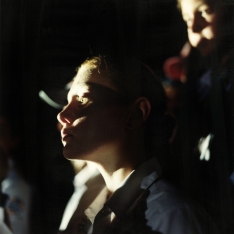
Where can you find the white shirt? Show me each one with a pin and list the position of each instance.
(18, 204)
(142, 205)
(80, 180)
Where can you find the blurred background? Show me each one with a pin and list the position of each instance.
(42, 44)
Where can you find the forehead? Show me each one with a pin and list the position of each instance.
(187, 5)
(91, 81)
(87, 75)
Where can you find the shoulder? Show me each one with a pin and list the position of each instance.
(169, 211)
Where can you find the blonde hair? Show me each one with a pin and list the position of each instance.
(92, 63)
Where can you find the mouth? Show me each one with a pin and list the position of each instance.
(65, 136)
(205, 47)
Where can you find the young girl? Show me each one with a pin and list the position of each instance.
(207, 117)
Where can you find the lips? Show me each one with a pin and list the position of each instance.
(65, 135)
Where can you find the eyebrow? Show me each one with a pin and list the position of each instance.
(105, 92)
(95, 86)
(95, 89)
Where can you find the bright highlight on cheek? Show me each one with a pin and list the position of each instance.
(79, 121)
(193, 38)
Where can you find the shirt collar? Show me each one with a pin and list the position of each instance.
(96, 205)
(88, 172)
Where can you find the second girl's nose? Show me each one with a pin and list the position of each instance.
(197, 23)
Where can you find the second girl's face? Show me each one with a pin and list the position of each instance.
(203, 24)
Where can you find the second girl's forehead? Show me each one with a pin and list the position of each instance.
(192, 5)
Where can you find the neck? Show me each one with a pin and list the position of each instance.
(117, 165)
(114, 180)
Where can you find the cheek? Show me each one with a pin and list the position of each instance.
(194, 38)
(210, 32)
(110, 121)
(93, 132)
(103, 124)
(213, 28)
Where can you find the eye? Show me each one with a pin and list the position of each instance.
(204, 13)
(82, 100)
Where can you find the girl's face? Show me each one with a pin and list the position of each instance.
(94, 120)
(203, 24)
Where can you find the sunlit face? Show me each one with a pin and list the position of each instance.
(203, 22)
(94, 119)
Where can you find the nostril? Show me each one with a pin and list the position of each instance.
(65, 117)
(67, 120)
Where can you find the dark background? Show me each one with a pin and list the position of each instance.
(42, 43)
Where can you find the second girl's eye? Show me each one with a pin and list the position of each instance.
(206, 11)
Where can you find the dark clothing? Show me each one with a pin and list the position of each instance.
(207, 123)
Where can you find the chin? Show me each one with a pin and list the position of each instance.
(204, 52)
(73, 154)
(206, 49)
(204, 46)
(68, 153)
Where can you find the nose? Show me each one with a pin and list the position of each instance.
(66, 116)
(197, 23)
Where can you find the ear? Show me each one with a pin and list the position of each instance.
(140, 111)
